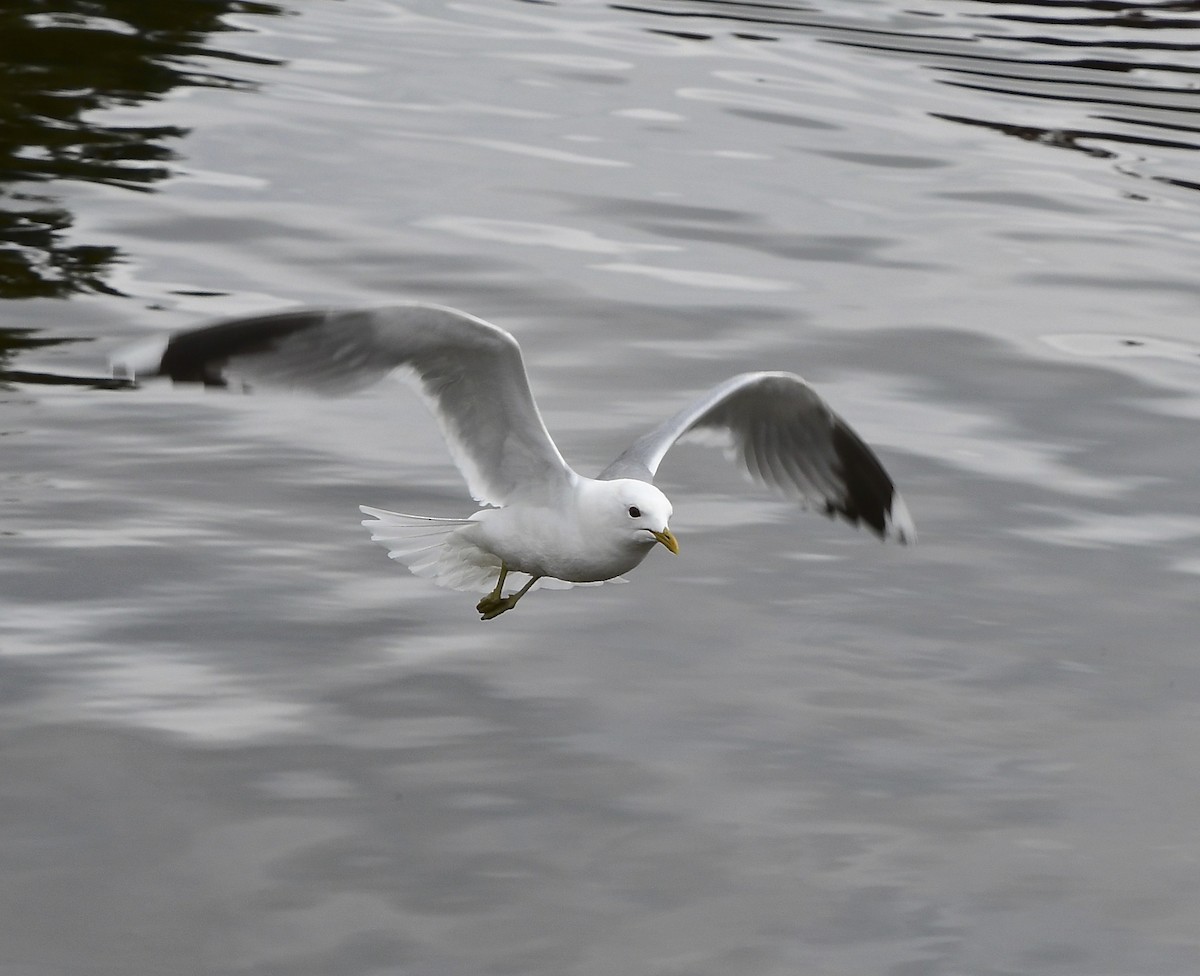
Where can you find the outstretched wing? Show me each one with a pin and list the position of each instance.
(469, 370)
(787, 437)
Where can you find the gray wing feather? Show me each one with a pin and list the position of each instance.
(787, 437)
(470, 371)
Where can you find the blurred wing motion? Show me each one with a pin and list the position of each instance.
(470, 372)
(787, 437)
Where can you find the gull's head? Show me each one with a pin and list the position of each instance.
(641, 513)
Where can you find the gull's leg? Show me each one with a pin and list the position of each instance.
(490, 607)
(492, 600)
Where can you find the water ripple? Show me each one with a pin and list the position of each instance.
(975, 49)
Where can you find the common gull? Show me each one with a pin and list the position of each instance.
(542, 520)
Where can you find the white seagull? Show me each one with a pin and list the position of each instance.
(543, 519)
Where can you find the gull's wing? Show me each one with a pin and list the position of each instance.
(785, 436)
(469, 370)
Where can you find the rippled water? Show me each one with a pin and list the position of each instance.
(237, 739)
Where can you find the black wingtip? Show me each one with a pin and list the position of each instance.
(870, 497)
(199, 356)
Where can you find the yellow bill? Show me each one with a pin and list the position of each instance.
(667, 538)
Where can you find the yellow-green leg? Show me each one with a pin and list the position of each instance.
(493, 598)
(494, 604)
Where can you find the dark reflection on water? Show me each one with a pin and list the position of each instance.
(998, 62)
(58, 68)
(1135, 16)
(15, 341)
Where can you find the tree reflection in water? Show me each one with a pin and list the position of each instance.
(57, 68)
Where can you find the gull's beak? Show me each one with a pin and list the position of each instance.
(667, 538)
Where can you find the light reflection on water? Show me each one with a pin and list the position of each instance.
(791, 749)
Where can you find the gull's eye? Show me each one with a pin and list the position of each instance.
(635, 512)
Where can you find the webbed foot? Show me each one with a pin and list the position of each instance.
(492, 606)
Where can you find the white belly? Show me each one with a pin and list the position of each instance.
(542, 543)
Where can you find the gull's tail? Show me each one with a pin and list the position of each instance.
(433, 548)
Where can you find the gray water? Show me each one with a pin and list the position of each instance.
(237, 739)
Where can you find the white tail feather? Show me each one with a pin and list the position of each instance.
(433, 548)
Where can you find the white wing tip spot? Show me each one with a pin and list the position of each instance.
(899, 522)
(141, 358)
